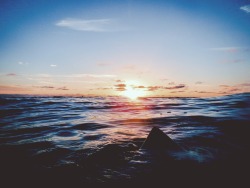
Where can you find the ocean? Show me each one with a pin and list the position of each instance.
(76, 141)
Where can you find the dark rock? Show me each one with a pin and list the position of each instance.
(158, 140)
(110, 155)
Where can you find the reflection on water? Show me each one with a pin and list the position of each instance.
(52, 132)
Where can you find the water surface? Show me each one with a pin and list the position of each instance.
(92, 140)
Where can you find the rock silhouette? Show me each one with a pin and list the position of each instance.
(158, 140)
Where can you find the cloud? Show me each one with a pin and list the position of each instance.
(11, 74)
(97, 25)
(232, 49)
(22, 63)
(176, 87)
(120, 87)
(154, 88)
(53, 65)
(104, 88)
(242, 87)
(44, 87)
(245, 8)
(171, 83)
(177, 91)
(138, 87)
(234, 89)
(119, 81)
(203, 92)
(198, 83)
(226, 49)
(233, 61)
(224, 86)
(163, 79)
(52, 87)
(63, 88)
(47, 87)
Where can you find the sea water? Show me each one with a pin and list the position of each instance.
(89, 140)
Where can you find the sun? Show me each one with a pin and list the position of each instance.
(132, 92)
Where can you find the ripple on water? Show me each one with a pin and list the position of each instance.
(67, 135)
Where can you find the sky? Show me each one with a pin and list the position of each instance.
(125, 47)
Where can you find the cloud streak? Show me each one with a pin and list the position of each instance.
(120, 87)
(229, 89)
(154, 88)
(63, 88)
(232, 49)
(245, 8)
(233, 61)
(52, 87)
(22, 63)
(11, 74)
(96, 25)
(198, 83)
(176, 87)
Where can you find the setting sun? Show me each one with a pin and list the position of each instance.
(132, 93)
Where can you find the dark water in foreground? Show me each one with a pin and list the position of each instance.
(95, 141)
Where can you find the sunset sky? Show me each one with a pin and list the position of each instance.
(115, 47)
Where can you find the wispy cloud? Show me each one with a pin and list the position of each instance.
(53, 65)
(203, 92)
(104, 88)
(63, 88)
(232, 49)
(245, 84)
(103, 64)
(11, 74)
(22, 63)
(139, 87)
(154, 88)
(198, 83)
(96, 25)
(245, 8)
(47, 87)
(120, 87)
(229, 89)
(233, 61)
(52, 87)
(177, 91)
(176, 87)
(44, 87)
(171, 83)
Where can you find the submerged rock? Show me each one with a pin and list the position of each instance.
(158, 140)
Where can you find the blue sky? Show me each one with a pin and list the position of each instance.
(104, 47)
